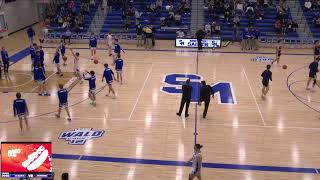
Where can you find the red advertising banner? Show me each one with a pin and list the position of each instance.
(26, 157)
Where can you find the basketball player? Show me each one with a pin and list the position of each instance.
(40, 78)
(5, 60)
(76, 66)
(56, 61)
(278, 53)
(316, 50)
(36, 59)
(109, 76)
(118, 66)
(42, 58)
(117, 49)
(266, 77)
(92, 86)
(186, 98)
(109, 43)
(62, 48)
(32, 50)
(313, 70)
(93, 46)
(20, 109)
(196, 163)
(63, 101)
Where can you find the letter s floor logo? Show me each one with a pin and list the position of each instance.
(173, 85)
(81, 135)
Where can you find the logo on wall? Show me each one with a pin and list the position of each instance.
(173, 85)
(262, 59)
(81, 135)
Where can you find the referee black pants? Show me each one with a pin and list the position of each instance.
(6, 66)
(199, 44)
(206, 106)
(183, 102)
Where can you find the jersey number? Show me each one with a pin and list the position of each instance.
(174, 82)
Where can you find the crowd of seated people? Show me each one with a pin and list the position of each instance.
(67, 17)
(282, 24)
(173, 17)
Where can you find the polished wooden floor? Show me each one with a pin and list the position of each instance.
(141, 121)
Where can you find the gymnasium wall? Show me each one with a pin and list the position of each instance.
(20, 13)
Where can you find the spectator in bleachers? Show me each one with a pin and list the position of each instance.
(307, 5)
(207, 29)
(277, 26)
(109, 3)
(227, 16)
(180, 34)
(284, 29)
(295, 26)
(259, 14)
(92, 3)
(139, 35)
(137, 16)
(159, 4)
(177, 18)
(317, 21)
(215, 28)
(236, 24)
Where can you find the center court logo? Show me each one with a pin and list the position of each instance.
(81, 135)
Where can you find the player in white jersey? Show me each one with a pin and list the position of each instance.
(196, 163)
(109, 43)
(76, 66)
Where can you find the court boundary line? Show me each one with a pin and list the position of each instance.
(140, 92)
(178, 50)
(208, 165)
(254, 97)
(171, 122)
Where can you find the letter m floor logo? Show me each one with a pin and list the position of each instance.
(173, 85)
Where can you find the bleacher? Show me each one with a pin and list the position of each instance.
(87, 18)
(114, 22)
(309, 17)
(265, 26)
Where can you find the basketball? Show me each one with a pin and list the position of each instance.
(64, 58)
(96, 61)
(284, 67)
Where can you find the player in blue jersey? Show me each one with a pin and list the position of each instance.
(313, 70)
(91, 77)
(36, 59)
(5, 60)
(118, 66)
(33, 49)
(20, 109)
(42, 58)
(40, 78)
(62, 48)
(63, 101)
(109, 76)
(266, 77)
(56, 61)
(93, 42)
(117, 49)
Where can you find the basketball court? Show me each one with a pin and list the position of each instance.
(244, 138)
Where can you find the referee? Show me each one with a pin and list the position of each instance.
(186, 97)
(205, 93)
